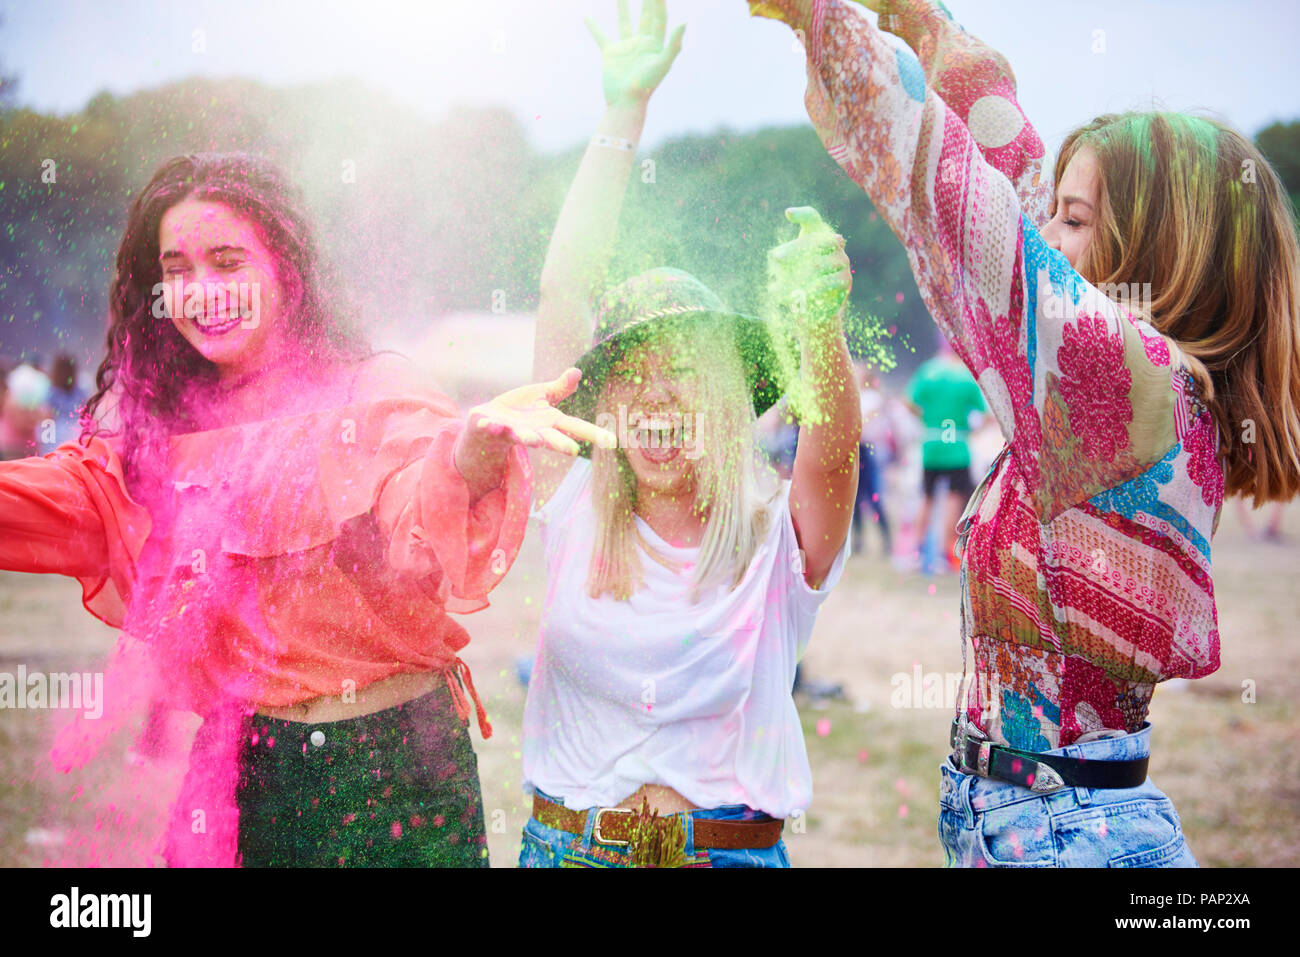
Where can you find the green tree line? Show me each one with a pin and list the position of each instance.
(421, 218)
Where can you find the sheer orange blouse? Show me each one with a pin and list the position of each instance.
(288, 558)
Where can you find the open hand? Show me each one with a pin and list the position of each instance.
(636, 63)
(527, 416)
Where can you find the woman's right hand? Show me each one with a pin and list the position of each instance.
(636, 63)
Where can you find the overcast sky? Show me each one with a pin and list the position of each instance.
(1235, 58)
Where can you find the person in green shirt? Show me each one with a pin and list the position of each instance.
(944, 394)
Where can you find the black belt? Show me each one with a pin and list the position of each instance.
(1040, 773)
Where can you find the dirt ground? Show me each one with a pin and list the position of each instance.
(1228, 761)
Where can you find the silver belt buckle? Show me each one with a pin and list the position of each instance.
(967, 732)
(986, 748)
(1046, 779)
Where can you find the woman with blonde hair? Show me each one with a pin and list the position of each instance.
(1086, 573)
(683, 579)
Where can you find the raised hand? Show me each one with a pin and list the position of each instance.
(809, 280)
(810, 275)
(636, 63)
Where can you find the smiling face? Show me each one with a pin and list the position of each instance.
(233, 304)
(653, 387)
(1075, 207)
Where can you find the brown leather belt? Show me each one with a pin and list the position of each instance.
(614, 827)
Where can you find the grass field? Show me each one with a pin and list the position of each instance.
(1229, 764)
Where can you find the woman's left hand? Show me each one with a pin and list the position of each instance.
(810, 275)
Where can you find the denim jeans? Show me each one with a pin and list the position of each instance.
(545, 846)
(987, 823)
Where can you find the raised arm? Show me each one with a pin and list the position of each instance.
(810, 277)
(583, 241)
(978, 85)
(1083, 397)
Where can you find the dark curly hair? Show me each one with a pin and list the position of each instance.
(151, 369)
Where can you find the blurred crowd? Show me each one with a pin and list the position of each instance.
(40, 404)
(922, 450)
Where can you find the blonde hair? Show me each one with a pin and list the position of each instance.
(730, 484)
(1191, 206)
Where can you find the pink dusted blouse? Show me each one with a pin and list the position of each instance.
(291, 558)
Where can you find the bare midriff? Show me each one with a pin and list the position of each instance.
(377, 696)
(662, 799)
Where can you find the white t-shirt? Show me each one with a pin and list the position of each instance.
(655, 690)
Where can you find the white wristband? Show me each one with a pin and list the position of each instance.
(613, 142)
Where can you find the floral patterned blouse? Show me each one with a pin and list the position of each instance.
(1087, 561)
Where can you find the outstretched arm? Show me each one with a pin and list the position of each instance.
(69, 513)
(48, 522)
(451, 493)
(583, 240)
(810, 277)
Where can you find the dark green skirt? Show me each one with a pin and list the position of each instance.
(397, 788)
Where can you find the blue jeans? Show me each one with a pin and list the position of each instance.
(987, 823)
(544, 846)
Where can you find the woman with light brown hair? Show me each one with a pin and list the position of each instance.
(683, 579)
(1086, 574)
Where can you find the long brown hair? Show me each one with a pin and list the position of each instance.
(1192, 207)
(150, 369)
